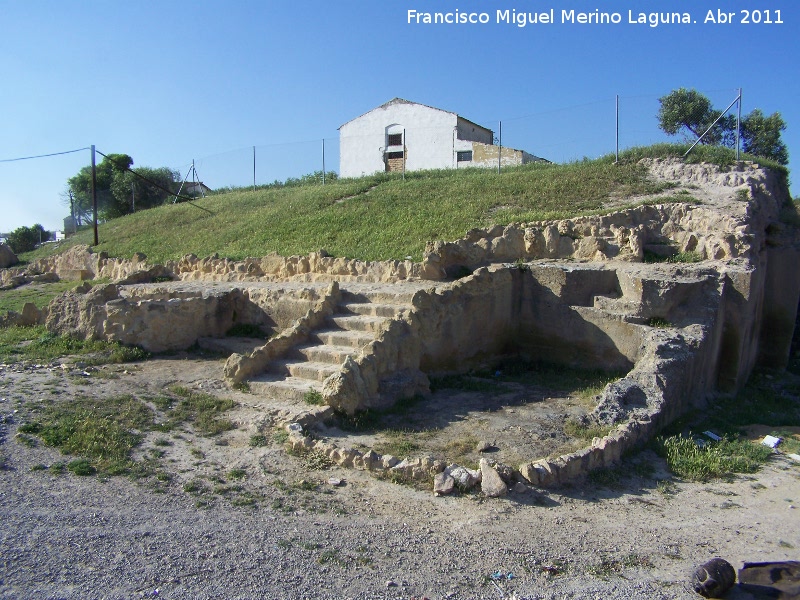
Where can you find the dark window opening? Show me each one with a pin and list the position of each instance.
(394, 155)
(464, 156)
(395, 139)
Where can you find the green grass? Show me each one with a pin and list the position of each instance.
(314, 398)
(36, 343)
(687, 459)
(39, 293)
(724, 158)
(258, 440)
(658, 322)
(393, 220)
(102, 433)
(202, 410)
(769, 398)
(576, 429)
(398, 443)
(382, 217)
(372, 419)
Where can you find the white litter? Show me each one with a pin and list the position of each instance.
(771, 441)
(712, 435)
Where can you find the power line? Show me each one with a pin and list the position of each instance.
(44, 155)
(153, 183)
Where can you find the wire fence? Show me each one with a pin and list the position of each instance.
(559, 134)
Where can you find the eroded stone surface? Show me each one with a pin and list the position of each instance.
(580, 297)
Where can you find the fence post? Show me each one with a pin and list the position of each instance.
(500, 146)
(404, 153)
(323, 161)
(738, 124)
(254, 168)
(616, 159)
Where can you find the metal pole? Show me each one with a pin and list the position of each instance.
(133, 197)
(455, 154)
(180, 189)
(616, 160)
(500, 147)
(722, 114)
(323, 161)
(738, 124)
(404, 153)
(254, 168)
(94, 196)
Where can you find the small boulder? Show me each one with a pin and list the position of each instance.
(520, 488)
(483, 446)
(443, 484)
(507, 474)
(492, 484)
(464, 478)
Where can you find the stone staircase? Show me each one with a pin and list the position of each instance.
(359, 320)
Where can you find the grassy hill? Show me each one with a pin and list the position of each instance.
(378, 217)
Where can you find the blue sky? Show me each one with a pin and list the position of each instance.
(173, 81)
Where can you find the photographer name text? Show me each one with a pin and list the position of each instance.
(756, 16)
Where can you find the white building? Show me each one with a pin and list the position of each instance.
(402, 135)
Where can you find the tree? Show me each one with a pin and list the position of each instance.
(118, 188)
(25, 239)
(761, 136)
(150, 188)
(689, 112)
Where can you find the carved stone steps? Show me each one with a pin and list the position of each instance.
(280, 387)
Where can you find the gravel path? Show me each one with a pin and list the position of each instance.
(63, 536)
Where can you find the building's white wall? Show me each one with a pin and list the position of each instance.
(432, 139)
(429, 139)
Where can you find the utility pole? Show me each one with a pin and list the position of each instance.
(94, 196)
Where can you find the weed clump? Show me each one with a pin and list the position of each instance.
(696, 461)
(314, 397)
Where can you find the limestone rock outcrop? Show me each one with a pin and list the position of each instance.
(7, 257)
(574, 292)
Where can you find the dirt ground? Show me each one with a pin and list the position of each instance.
(519, 421)
(221, 518)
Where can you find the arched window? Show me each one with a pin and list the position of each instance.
(394, 136)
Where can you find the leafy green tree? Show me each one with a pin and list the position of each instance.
(119, 191)
(151, 188)
(81, 184)
(25, 239)
(761, 136)
(690, 113)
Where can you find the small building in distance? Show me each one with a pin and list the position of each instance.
(195, 189)
(402, 135)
